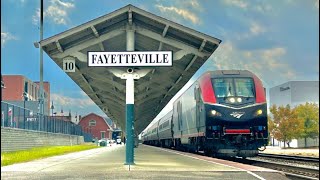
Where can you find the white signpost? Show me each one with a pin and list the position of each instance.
(128, 59)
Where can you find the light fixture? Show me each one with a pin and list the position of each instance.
(259, 112)
(213, 112)
(232, 100)
(36, 44)
(239, 100)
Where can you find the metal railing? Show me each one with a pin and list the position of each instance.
(17, 117)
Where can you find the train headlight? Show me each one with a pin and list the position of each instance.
(215, 113)
(239, 100)
(259, 112)
(232, 100)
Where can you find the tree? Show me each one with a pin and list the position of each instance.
(286, 124)
(271, 127)
(309, 114)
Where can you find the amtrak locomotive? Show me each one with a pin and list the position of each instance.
(223, 113)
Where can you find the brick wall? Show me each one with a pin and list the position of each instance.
(95, 131)
(19, 139)
(14, 87)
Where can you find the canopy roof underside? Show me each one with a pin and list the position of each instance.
(152, 33)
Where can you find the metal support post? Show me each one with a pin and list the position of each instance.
(129, 119)
(129, 100)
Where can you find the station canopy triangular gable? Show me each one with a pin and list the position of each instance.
(152, 33)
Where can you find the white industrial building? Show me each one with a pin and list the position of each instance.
(295, 93)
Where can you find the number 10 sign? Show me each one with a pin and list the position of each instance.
(69, 64)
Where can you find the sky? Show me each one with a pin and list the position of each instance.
(277, 40)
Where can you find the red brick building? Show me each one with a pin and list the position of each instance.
(16, 85)
(96, 125)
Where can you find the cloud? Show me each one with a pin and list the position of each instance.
(36, 17)
(184, 13)
(56, 12)
(81, 105)
(269, 64)
(263, 7)
(78, 103)
(194, 4)
(236, 3)
(274, 52)
(254, 29)
(5, 37)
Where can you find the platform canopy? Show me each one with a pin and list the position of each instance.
(152, 33)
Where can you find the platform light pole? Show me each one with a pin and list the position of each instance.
(25, 98)
(2, 113)
(52, 108)
(37, 45)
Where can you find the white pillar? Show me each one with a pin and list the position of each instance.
(129, 89)
(130, 39)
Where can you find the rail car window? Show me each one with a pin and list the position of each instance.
(223, 87)
(244, 87)
(165, 124)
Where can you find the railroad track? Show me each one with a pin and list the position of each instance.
(293, 158)
(293, 172)
(293, 166)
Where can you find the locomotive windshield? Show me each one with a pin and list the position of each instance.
(226, 87)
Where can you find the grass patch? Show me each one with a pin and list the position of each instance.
(8, 158)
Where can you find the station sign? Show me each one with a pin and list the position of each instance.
(129, 58)
(69, 64)
(32, 119)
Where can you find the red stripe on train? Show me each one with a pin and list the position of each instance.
(237, 131)
(260, 92)
(206, 89)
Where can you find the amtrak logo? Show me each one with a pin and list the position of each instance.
(237, 114)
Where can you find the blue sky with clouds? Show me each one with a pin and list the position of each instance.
(277, 40)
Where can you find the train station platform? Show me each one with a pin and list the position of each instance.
(150, 163)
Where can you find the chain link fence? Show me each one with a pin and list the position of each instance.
(17, 117)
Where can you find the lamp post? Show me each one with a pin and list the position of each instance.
(25, 98)
(38, 45)
(52, 108)
(2, 114)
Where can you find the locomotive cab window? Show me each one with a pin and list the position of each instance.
(223, 87)
(234, 90)
(244, 87)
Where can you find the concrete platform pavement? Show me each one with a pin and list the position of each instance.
(151, 163)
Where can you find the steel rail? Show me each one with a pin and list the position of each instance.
(288, 157)
(289, 170)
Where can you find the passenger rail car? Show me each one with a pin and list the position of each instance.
(223, 113)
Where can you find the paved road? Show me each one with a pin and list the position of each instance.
(108, 163)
